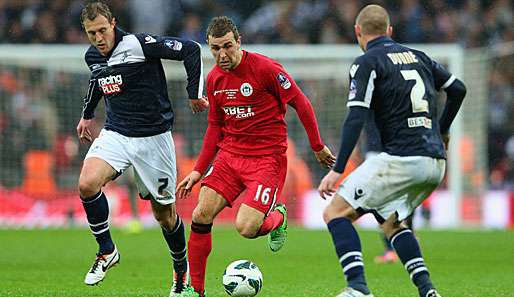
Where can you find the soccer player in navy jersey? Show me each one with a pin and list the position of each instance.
(247, 139)
(399, 86)
(126, 70)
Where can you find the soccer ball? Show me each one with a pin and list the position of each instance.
(242, 278)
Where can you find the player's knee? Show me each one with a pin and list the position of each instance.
(247, 229)
(202, 216)
(89, 186)
(330, 213)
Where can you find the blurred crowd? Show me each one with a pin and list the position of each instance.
(471, 23)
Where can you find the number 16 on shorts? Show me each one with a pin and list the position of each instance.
(264, 195)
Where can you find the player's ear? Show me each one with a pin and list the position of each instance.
(113, 21)
(358, 31)
(389, 31)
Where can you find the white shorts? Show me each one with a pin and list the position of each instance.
(153, 159)
(385, 184)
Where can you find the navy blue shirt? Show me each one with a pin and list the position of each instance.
(131, 79)
(400, 86)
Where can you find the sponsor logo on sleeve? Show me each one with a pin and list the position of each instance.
(95, 66)
(353, 89)
(149, 39)
(246, 89)
(173, 44)
(283, 81)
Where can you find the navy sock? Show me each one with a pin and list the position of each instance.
(176, 241)
(348, 249)
(408, 250)
(97, 212)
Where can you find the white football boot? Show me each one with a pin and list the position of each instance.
(102, 263)
(349, 292)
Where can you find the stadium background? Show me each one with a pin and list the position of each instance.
(40, 156)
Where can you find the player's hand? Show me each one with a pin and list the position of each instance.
(185, 186)
(446, 140)
(325, 157)
(84, 130)
(328, 184)
(198, 105)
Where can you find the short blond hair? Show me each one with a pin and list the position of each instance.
(373, 20)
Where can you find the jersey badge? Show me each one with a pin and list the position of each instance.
(353, 89)
(283, 81)
(246, 89)
(173, 44)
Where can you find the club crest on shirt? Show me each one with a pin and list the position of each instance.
(283, 81)
(173, 44)
(353, 89)
(246, 89)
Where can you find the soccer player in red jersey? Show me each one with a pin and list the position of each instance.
(247, 139)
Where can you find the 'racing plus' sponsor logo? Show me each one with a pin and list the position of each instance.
(111, 84)
(240, 112)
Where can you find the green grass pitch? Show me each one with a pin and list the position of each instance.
(53, 263)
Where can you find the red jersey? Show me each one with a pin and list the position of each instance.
(249, 103)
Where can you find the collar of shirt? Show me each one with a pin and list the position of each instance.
(118, 36)
(381, 40)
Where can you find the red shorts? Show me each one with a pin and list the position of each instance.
(258, 180)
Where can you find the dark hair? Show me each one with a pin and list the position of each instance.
(221, 25)
(93, 9)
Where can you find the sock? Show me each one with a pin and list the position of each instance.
(387, 243)
(97, 212)
(176, 241)
(200, 245)
(348, 249)
(408, 250)
(271, 222)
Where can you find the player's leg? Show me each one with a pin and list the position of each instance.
(418, 187)
(210, 203)
(104, 161)
(173, 231)
(155, 175)
(95, 173)
(407, 247)
(339, 216)
(389, 255)
(261, 213)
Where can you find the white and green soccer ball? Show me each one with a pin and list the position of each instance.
(242, 278)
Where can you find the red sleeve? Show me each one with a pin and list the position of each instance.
(306, 114)
(279, 82)
(213, 134)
